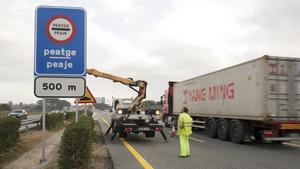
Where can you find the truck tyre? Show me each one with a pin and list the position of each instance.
(211, 128)
(150, 134)
(223, 129)
(175, 121)
(166, 122)
(236, 131)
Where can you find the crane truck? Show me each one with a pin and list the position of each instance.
(255, 100)
(131, 118)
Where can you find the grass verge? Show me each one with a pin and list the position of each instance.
(28, 140)
(3, 114)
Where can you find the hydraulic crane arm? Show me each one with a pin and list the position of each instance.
(142, 85)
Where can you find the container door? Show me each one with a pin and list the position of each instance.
(283, 89)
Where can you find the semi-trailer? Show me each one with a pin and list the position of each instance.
(255, 100)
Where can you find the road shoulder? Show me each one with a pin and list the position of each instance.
(31, 159)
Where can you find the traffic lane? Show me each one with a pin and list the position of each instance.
(209, 153)
(121, 157)
(213, 153)
(163, 155)
(250, 155)
(152, 149)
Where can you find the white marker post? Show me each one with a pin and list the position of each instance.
(43, 159)
(76, 115)
(85, 109)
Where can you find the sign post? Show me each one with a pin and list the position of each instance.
(60, 55)
(43, 132)
(77, 112)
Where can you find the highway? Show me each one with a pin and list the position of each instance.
(137, 152)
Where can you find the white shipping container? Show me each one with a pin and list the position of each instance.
(260, 89)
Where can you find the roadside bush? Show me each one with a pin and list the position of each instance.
(90, 113)
(54, 120)
(70, 115)
(75, 148)
(5, 107)
(9, 132)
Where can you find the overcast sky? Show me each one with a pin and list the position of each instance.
(152, 40)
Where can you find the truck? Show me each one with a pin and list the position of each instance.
(255, 100)
(127, 113)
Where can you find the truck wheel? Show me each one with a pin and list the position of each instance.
(150, 134)
(211, 128)
(166, 122)
(175, 122)
(223, 129)
(236, 131)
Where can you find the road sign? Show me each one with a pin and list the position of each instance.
(60, 41)
(60, 29)
(87, 98)
(59, 87)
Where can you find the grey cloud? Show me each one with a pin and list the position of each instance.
(275, 22)
(274, 14)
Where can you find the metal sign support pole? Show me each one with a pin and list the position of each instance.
(76, 116)
(43, 159)
(85, 109)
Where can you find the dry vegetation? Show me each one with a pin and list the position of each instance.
(28, 140)
(3, 114)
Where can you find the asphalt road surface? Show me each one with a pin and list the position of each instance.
(137, 152)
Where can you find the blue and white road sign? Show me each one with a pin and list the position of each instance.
(60, 41)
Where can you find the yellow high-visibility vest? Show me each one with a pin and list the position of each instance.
(185, 123)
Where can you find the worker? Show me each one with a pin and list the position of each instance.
(110, 127)
(118, 128)
(114, 105)
(184, 131)
(163, 135)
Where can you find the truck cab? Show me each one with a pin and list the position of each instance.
(120, 104)
(135, 121)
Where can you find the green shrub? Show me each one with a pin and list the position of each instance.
(89, 113)
(70, 115)
(5, 107)
(9, 132)
(54, 120)
(75, 148)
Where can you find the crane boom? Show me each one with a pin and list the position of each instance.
(142, 85)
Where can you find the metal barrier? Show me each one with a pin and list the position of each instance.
(24, 122)
(29, 124)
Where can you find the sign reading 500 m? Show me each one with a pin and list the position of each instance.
(60, 41)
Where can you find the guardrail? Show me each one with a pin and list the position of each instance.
(29, 124)
(24, 122)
